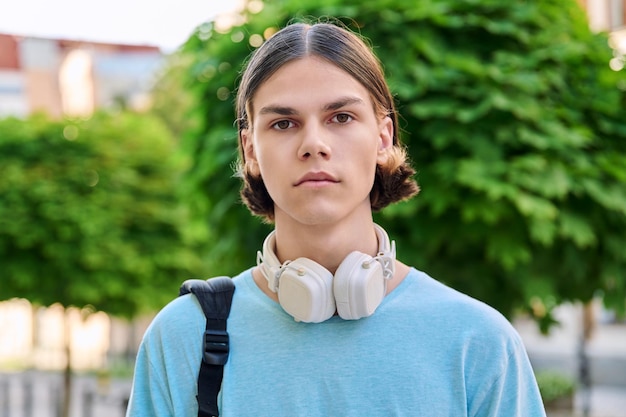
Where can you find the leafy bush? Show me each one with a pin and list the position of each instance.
(555, 386)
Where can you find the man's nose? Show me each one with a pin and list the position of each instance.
(314, 142)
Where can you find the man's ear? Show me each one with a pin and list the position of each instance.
(249, 155)
(385, 140)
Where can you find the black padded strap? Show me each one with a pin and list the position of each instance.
(215, 297)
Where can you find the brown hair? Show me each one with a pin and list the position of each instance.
(346, 50)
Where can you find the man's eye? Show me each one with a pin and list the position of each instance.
(282, 125)
(342, 118)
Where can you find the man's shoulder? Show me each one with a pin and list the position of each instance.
(180, 318)
(448, 303)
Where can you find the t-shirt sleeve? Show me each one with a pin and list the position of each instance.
(170, 352)
(512, 390)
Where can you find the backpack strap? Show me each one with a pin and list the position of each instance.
(215, 296)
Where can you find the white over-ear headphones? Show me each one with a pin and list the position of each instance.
(310, 293)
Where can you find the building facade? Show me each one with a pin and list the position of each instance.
(605, 15)
(67, 77)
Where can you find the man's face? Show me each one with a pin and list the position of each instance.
(315, 140)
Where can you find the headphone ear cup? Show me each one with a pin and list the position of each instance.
(359, 286)
(305, 291)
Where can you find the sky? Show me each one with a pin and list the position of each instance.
(163, 23)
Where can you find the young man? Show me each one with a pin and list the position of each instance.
(329, 323)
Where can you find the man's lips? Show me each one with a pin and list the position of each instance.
(314, 178)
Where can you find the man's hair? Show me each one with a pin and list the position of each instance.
(346, 50)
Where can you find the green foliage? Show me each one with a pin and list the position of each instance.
(170, 99)
(515, 124)
(554, 386)
(89, 214)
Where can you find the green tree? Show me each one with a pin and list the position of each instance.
(89, 215)
(512, 118)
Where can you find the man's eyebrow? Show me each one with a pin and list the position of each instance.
(281, 110)
(342, 102)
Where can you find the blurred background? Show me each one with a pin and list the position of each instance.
(116, 151)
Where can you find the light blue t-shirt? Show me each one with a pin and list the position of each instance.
(428, 350)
